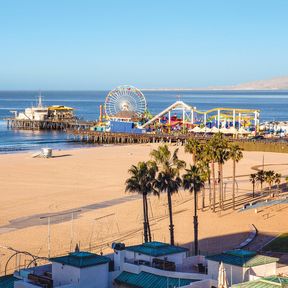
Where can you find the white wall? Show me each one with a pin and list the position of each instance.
(234, 273)
(118, 259)
(202, 284)
(262, 270)
(88, 277)
(98, 274)
(213, 268)
(65, 274)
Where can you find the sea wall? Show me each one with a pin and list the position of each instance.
(263, 146)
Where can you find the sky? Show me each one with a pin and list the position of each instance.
(93, 44)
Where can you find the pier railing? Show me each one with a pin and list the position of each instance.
(86, 136)
(49, 124)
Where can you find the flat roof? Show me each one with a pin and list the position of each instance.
(149, 280)
(243, 258)
(60, 107)
(8, 281)
(81, 259)
(156, 249)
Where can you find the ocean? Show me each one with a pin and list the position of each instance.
(273, 106)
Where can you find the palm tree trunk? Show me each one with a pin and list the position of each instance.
(278, 189)
(203, 198)
(219, 186)
(253, 195)
(261, 187)
(171, 226)
(145, 218)
(270, 189)
(195, 222)
(214, 186)
(210, 193)
(233, 192)
(147, 221)
(210, 190)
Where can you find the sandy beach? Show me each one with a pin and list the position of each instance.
(90, 183)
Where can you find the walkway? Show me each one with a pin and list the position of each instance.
(41, 219)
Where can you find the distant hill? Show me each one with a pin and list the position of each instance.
(280, 83)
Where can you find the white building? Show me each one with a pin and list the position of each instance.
(148, 252)
(38, 113)
(153, 264)
(241, 265)
(156, 264)
(78, 269)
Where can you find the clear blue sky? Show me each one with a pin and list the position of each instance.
(91, 44)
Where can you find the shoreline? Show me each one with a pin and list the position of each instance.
(79, 146)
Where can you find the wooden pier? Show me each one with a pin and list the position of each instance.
(49, 124)
(121, 138)
(85, 136)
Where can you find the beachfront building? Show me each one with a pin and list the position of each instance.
(42, 113)
(78, 269)
(38, 113)
(181, 116)
(148, 253)
(241, 265)
(154, 264)
(60, 112)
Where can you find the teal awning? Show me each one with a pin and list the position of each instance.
(149, 280)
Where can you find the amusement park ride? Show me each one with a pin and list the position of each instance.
(125, 110)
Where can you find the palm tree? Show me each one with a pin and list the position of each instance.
(168, 179)
(277, 181)
(235, 153)
(193, 147)
(210, 155)
(142, 182)
(203, 165)
(269, 178)
(194, 181)
(260, 178)
(220, 146)
(253, 180)
(206, 159)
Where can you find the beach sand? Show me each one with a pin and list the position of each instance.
(90, 182)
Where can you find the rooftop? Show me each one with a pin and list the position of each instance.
(243, 258)
(156, 249)
(267, 282)
(60, 108)
(149, 280)
(7, 281)
(81, 259)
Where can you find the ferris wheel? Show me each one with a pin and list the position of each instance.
(125, 98)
